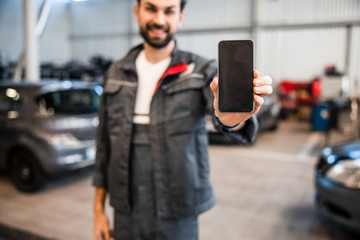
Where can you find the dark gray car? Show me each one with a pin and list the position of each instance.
(268, 118)
(47, 129)
(338, 184)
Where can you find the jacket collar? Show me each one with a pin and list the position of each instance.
(128, 62)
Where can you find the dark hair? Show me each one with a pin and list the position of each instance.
(182, 4)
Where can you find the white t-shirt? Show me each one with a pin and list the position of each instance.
(148, 76)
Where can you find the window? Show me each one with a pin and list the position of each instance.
(71, 101)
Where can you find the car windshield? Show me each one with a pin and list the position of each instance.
(71, 101)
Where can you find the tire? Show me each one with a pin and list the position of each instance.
(273, 127)
(25, 172)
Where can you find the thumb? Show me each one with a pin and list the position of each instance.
(107, 234)
(214, 87)
(256, 74)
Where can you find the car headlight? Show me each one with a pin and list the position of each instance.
(90, 152)
(327, 151)
(66, 139)
(346, 172)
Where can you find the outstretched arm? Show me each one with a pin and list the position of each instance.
(262, 88)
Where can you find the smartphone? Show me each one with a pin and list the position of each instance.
(236, 74)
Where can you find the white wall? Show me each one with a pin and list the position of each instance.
(205, 44)
(355, 62)
(75, 30)
(301, 54)
(53, 46)
(11, 32)
(309, 11)
(213, 14)
(217, 13)
(295, 39)
(317, 38)
(100, 27)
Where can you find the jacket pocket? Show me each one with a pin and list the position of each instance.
(117, 94)
(192, 81)
(184, 99)
(113, 86)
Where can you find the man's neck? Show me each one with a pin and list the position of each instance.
(155, 55)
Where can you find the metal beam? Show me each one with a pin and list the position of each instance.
(39, 30)
(31, 42)
(309, 25)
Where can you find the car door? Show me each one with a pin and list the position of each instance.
(10, 102)
(4, 106)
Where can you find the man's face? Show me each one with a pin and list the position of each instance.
(158, 20)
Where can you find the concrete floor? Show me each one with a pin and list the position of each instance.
(264, 192)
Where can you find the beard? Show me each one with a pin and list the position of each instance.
(156, 42)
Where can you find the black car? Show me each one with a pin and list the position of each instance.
(46, 129)
(338, 184)
(268, 118)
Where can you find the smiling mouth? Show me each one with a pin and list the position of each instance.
(157, 30)
(158, 33)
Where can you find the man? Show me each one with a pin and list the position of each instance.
(152, 142)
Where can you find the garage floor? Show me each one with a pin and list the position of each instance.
(264, 192)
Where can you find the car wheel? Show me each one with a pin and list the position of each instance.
(273, 127)
(25, 172)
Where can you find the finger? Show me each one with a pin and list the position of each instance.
(263, 90)
(98, 235)
(266, 80)
(107, 235)
(214, 86)
(258, 102)
(256, 73)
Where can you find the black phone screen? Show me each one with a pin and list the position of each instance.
(236, 73)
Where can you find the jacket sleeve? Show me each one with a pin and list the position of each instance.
(245, 135)
(100, 178)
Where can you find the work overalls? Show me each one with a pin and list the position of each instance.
(141, 223)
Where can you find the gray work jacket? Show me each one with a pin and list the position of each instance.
(178, 136)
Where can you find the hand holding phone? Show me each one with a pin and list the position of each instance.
(236, 67)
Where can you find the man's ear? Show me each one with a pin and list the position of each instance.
(181, 18)
(136, 11)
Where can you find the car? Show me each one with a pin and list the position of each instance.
(268, 118)
(337, 183)
(47, 129)
(269, 114)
